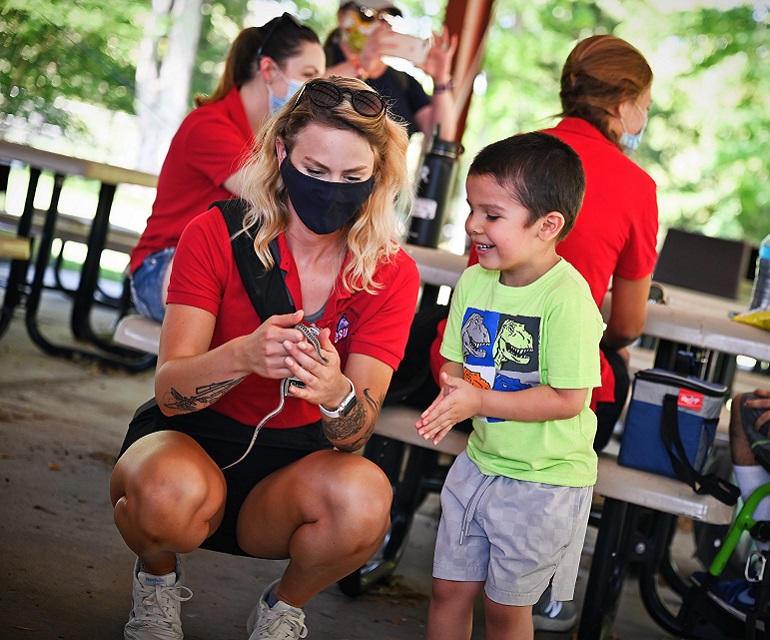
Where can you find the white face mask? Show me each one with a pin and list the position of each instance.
(631, 142)
(292, 86)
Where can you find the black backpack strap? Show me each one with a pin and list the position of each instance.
(266, 288)
(710, 483)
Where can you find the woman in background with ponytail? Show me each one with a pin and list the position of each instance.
(265, 67)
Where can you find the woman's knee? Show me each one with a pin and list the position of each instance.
(161, 489)
(358, 491)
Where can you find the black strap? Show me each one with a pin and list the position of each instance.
(709, 483)
(266, 288)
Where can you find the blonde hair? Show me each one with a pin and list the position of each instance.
(600, 73)
(371, 236)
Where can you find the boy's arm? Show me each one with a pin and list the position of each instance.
(536, 404)
(459, 400)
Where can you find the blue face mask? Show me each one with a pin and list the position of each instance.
(631, 142)
(292, 86)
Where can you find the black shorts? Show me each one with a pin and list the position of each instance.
(225, 440)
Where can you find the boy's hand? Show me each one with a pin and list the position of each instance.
(457, 401)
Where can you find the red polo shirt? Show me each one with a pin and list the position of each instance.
(616, 230)
(211, 145)
(205, 276)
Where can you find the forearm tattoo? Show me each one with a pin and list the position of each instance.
(204, 396)
(359, 422)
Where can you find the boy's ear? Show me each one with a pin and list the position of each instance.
(551, 225)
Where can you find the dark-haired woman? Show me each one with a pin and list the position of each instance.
(264, 68)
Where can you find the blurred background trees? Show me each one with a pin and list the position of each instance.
(87, 77)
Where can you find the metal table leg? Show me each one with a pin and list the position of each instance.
(17, 276)
(608, 570)
(131, 360)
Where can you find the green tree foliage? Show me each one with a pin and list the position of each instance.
(706, 144)
(710, 121)
(52, 49)
(727, 93)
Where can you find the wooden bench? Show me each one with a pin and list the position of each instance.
(13, 247)
(71, 228)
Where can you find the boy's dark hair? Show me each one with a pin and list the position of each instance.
(540, 172)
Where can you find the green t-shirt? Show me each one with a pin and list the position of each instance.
(512, 338)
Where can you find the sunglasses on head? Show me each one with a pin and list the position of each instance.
(370, 15)
(328, 95)
(286, 17)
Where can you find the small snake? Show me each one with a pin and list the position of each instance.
(311, 335)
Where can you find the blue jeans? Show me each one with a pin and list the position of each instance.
(147, 284)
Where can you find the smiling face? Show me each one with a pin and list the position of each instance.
(504, 238)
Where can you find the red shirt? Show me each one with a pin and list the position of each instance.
(616, 230)
(210, 146)
(205, 276)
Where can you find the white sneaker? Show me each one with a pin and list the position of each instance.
(156, 605)
(552, 615)
(280, 622)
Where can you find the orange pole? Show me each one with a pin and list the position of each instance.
(470, 20)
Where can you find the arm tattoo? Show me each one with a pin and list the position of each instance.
(204, 396)
(359, 422)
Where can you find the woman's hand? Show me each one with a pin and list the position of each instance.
(324, 381)
(369, 58)
(264, 351)
(457, 401)
(438, 64)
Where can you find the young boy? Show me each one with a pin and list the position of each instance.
(515, 504)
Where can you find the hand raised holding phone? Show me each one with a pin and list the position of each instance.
(400, 45)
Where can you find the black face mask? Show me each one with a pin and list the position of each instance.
(324, 207)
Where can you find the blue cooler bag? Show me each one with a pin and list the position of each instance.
(670, 427)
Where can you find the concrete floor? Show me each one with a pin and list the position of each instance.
(65, 573)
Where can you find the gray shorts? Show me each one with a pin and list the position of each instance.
(512, 535)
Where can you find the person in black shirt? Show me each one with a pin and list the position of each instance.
(355, 49)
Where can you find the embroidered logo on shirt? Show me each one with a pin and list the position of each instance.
(342, 329)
